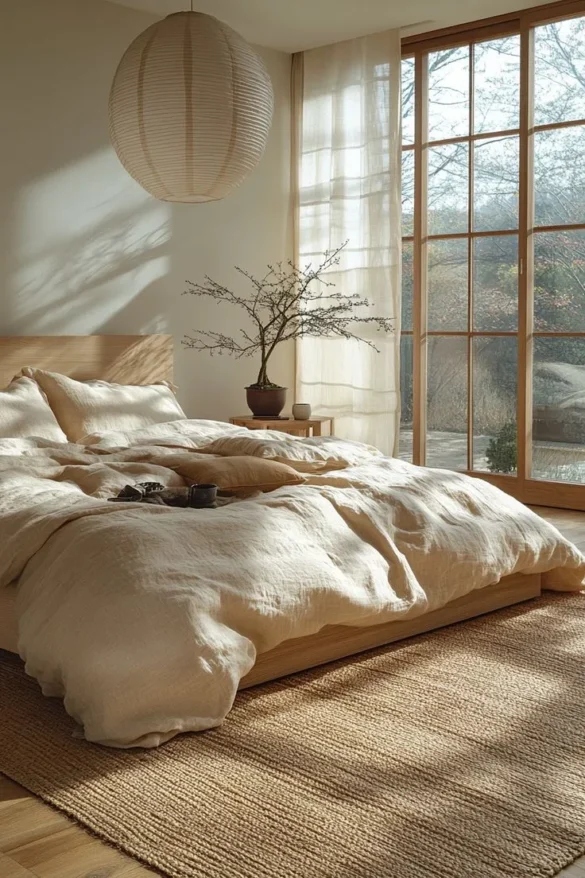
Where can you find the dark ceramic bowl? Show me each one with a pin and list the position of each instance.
(203, 496)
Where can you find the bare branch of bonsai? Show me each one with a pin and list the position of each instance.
(289, 302)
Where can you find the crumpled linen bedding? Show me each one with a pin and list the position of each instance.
(144, 619)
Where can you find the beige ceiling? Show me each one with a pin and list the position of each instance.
(293, 25)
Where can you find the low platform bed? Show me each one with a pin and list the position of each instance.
(147, 619)
(339, 641)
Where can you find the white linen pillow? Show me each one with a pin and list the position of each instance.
(25, 412)
(305, 455)
(177, 434)
(84, 407)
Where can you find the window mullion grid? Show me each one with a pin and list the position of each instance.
(482, 135)
(495, 233)
(419, 316)
(554, 126)
(488, 333)
(552, 334)
(526, 231)
(526, 258)
(561, 227)
(470, 183)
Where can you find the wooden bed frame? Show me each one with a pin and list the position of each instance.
(124, 359)
(146, 359)
(339, 641)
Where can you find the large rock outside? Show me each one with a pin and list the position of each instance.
(559, 402)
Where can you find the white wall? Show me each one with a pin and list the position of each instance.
(83, 249)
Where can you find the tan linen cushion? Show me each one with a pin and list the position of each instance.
(84, 407)
(236, 474)
(25, 412)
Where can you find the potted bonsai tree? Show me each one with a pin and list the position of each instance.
(287, 303)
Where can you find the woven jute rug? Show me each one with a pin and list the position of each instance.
(459, 754)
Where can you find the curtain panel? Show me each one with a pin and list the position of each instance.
(347, 148)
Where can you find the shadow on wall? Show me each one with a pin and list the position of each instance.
(75, 231)
(83, 249)
(78, 283)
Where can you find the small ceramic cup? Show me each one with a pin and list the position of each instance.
(301, 411)
(203, 496)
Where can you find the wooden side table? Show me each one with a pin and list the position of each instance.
(310, 427)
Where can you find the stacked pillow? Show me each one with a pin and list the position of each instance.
(83, 407)
(309, 455)
(25, 412)
(51, 406)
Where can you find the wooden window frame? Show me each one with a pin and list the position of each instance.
(522, 22)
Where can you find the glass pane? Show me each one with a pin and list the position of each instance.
(558, 430)
(448, 184)
(407, 284)
(448, 102)
(495, 283)
(447, 403)
(559, 71)
(405, 443)
(495, 374)
(447, 282)
(496, 183)
(407, 192)
(407, 100)
(559, 176)
(496, 67)
(559, 281)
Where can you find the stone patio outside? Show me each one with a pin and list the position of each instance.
(552, 461)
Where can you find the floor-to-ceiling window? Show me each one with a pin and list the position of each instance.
(493, 315)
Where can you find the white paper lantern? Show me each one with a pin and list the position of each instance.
(190, 108)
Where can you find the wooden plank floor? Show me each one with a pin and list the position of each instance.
(38, 842)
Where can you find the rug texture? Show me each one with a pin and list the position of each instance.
(458, 754)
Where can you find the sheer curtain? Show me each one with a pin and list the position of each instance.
(347, 103)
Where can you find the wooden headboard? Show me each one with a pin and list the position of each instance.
(125, 359)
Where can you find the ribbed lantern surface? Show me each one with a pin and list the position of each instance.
(190, 108)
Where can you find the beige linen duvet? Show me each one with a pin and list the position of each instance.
(144, 618)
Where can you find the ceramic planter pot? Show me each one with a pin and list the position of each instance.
(266, 402)
(301, 411)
